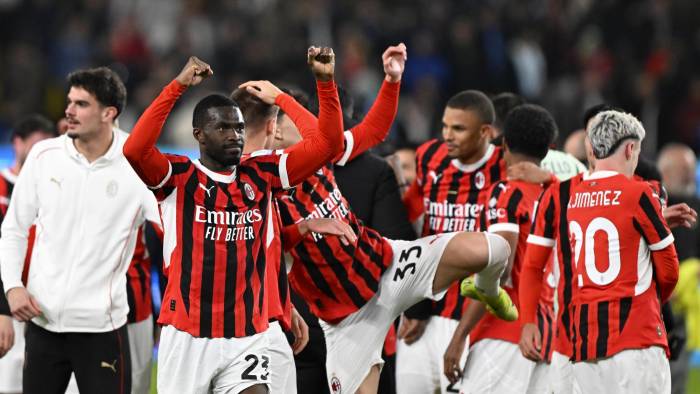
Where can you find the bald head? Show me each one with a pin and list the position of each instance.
(677, 164)
(575, 146)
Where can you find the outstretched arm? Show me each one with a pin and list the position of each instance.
(140, 148)
(376, 124)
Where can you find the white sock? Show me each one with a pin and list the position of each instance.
(487, 280)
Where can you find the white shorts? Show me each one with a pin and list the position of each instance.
(282, 368)
(496, 366)
(354, 345)
(190, 365)
(11, 364)
(141, 348)
(420, 366)
(630, 371)
(561, 374)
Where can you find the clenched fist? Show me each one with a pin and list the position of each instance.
(322, 63)
(194, 72)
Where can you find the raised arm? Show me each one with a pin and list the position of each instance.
(140, 148)
(375, 126)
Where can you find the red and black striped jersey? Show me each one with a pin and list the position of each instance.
(216, 230)
(453, 195)
(614, 225)
(138, 281)
(334, 279)
(509, 209)
(279, 302)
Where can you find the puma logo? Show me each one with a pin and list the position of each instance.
(435, 176)
(207, 190)
(56, 181)
(111, 366)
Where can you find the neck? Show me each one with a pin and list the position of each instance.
(476, 156)
(95, 146)
(210, 163)
(516, 158)
(613, 164)
(254, 141)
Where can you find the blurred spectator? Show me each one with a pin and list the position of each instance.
(575, 145)
(677, 164)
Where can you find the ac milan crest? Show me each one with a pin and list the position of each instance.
(479, 180)
(249, 191)
(335, 385)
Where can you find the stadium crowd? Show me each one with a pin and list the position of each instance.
(331, 236)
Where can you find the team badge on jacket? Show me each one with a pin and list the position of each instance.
(249, 191)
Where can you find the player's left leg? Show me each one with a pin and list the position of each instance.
(282, 368)
(496, 366)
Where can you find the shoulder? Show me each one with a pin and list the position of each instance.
(428, 149)
(48, 145)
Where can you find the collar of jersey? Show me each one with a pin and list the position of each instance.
(215, 175)
(112, 152)
(599, 175)
(475, 166)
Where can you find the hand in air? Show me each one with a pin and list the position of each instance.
(194, 72)
(322, 63)
(394, 61)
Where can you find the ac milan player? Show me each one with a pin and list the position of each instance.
(217, 221)
(624, 266)
(453, 178)
(346, 285)
(495, 363)
(25, 134)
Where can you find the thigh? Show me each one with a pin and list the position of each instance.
(561, 374)
(282, 369)
(355, 345)
(101, 361)
(640, 370)
(247, 365)
(496, 366)
(186, 364)
(47, 367)
(411, 274)
(417, 364)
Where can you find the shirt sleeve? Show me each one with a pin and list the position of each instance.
(140, 148)
(22, 212)
(299, 161)
(375, 126)
(532, 273)
(544, 227)
(651, 225)
(502, 211)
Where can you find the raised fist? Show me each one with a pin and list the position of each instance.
(394, 61)
(194, 72)
(322, 63)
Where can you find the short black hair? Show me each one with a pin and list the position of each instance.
(103, 83)
(32, 124)
(503, 103)
(200, 116)
(589, 113)
(476, 101)
(529, 130)
(254, 110)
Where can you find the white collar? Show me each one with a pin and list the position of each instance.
(215, 175)
(599, 175)
(474, 166)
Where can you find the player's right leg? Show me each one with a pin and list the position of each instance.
(486, 255)
(282, 368)
(46, 366)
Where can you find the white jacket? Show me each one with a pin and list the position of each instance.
(87, 216)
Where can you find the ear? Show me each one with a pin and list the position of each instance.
(487, 131)
(629, 150)
(109, 114)
(198, 135)
(270, 127)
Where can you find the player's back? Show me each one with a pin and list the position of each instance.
(614, 223)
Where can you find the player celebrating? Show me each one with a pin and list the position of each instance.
(216, 213)
(495, 363)
(624, 260)
(453, 178)
(358, 290)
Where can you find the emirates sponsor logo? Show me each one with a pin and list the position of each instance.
(239, 224)
(332, 206)
(449, 217)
